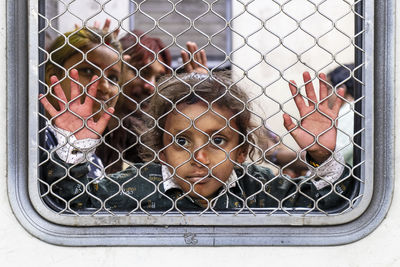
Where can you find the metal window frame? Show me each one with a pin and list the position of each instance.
(18, 146)
(226, 218)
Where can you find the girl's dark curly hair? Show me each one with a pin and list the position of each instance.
(214, 89)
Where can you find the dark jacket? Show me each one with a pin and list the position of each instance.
(141, 188)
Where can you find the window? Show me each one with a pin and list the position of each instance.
(277, 38)
(208, 18)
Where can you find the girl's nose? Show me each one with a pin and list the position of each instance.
(103, 86)
(202, 156)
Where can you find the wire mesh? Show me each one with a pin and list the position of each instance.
(201, 140)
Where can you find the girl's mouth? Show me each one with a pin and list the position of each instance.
(198, 179)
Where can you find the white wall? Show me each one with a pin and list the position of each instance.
(19, 248)
(76, 12)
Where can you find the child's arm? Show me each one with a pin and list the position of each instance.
(66, 170)
(317, 130)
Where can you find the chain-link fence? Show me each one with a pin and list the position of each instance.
(214, 112)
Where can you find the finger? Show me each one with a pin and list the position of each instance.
(185, 59)
(92, 91)
(48, 106)
(338, 101)
(96, 25)
(298, 99)
(310, 92)
(197, 57)
(203, 57)
(107, 24)
(295, 131)
(103, 121)
(195, 53)
(75, 88)
(126, 58)
(288, 122)
(323, 88)
(192, 47)
(76, 26)
(59, 92)
(115, 33)
(190, 56)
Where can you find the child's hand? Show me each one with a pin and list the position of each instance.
(106, 27)
(199, 61)
(317, 122)
(66, 120)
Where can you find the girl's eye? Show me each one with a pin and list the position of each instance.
(182, 141)
(113, 78)
(219, 141)
(86, 72)
(146, 73)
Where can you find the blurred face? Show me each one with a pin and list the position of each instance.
(137, 88)
(101, 58)
(209, 144)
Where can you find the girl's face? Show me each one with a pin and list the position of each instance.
(204, 153)
(137, 88)
(100, 58)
